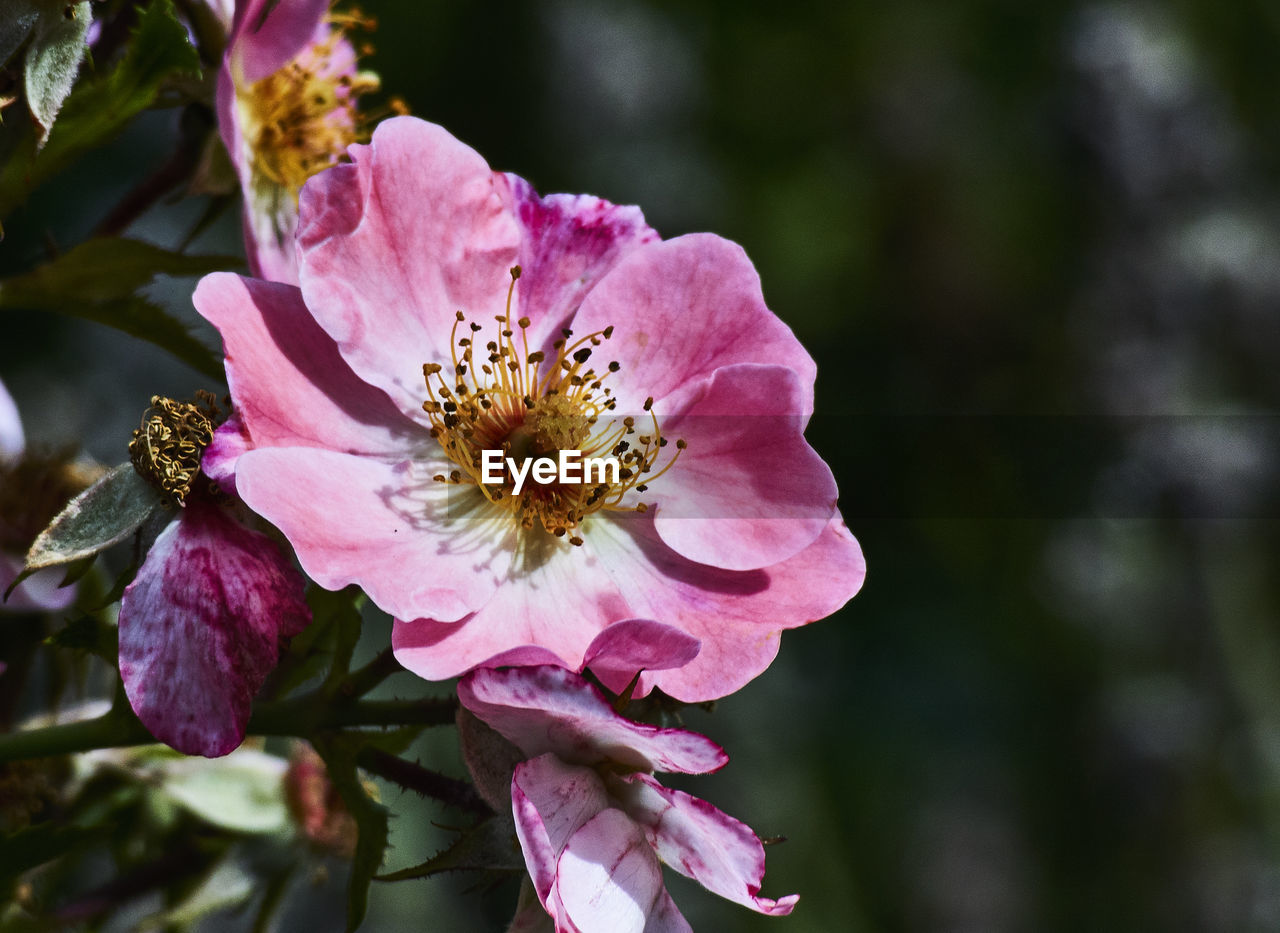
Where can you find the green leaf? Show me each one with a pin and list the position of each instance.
(339, 754)
(98, 109)
(104, 514)
(243, 792)
(57, 49)
(99, 280)
(490, 846)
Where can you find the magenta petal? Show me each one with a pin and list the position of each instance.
(699, 841)
(372, 522)
(682, 309)
(607, 877)
(12, 442)
(549, 709)
(262, 42)
(201, 627)
(290, 385)
(550, 800)
(640, 644)
(230, 440)
(748, 491)
(568, 242)
(393, 245)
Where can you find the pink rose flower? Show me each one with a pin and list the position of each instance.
(286, 105)
(204, 621)
(724, 524)
(593, 822)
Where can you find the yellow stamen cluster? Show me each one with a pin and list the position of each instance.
(501, 396)
(167, 448)
(301, 118)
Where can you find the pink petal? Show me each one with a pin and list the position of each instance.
(700, 842)
(393, 245)
(640, 644)
(549, 709)
(550, 801)
(608, 878)
(230, 440)
(260, 46)
(748, 491)
(381, 524)
(201, 627)
(737, 615)
(12, 442)
(568, 243)
(625, 571)
(682, 309)
(40, 592)
(291, 387)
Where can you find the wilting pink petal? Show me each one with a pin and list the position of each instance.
(699, 841)
(607, 877)
(548, 709)
(750, 491)
(201, 627)
(550, 801)
(395, 243)
(591, 826)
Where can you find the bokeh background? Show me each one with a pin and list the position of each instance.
(1034, 249)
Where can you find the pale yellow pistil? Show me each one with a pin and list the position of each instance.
(504, 397)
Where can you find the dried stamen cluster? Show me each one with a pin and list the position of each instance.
(167, 448)
(502, 396)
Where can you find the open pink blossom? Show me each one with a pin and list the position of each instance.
(286, 104)
(417, 259)
(594, 823)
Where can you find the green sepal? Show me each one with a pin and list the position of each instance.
(57, 49)
(491, 845)
(90, 635)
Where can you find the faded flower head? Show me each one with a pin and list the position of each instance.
(287, 108)
(593, 822)
(720, 522)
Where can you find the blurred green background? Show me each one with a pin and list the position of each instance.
(1034, 249)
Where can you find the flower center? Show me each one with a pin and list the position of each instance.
(301, 118)
(167, 448)
(503, 398)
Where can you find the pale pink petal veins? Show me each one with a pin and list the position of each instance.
(608, 877)
(568, 243)
(291, 387)
(681, 309)
(549, 709)
(699, 841)
(394, 244)
(383, 525)
(201, 627)
(748, 491)
(550, 800)
(12, 441)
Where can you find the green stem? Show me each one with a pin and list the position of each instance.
(301, 717)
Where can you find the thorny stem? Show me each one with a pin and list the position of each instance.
(422, 780)
(301, 717)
